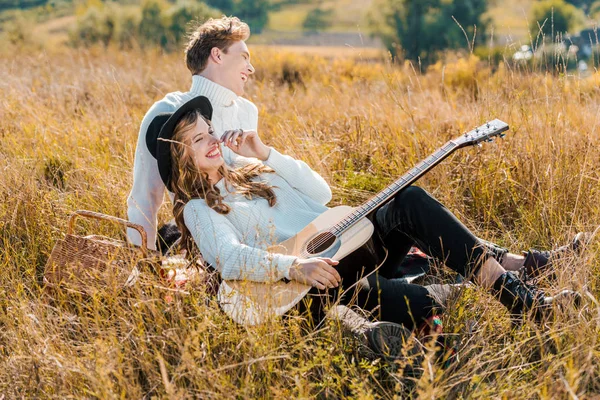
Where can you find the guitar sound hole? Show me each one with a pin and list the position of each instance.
(320, 243)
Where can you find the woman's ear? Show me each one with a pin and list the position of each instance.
(215, 55)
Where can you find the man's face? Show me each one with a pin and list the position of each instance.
(236, 67)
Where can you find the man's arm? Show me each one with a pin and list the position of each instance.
(146, 195)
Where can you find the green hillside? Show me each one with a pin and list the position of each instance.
(286, 18)
(346, 15)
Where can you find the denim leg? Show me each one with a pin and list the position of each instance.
(401, 245)
(396, 301)
(390, 300)
(435, 230)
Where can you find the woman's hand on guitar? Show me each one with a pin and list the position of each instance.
(317, 272)
(246, 144)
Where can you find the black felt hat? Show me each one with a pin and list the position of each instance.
(162, 127)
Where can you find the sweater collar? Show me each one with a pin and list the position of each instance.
(221, 186)
(218, 95)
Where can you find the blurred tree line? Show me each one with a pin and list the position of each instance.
(154, 22)
(254, 12)
(317, 19)
(20, 4)
(422, 30)
(557, 17)
(157, 22)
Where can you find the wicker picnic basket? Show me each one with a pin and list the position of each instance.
(87, 264)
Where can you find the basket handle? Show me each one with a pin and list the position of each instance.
(104, 217)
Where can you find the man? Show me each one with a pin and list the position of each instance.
(219, 60)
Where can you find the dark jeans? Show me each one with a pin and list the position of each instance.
(413, 217)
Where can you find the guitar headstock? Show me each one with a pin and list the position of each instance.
(485, 133)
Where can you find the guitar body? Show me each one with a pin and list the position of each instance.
(347, 243)
(251, 303)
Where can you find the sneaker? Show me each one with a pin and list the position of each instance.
(396, 344)
(519, 297)
(387, 339)
(539, 262)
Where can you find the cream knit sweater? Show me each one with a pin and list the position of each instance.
(146, 196)
(236, 243)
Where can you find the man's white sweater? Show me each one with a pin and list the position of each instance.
(229, 112)
(237, 243)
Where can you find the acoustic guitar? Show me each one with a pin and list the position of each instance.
(337, 233)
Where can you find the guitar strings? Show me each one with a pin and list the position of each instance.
(343, 226)
(351, 219)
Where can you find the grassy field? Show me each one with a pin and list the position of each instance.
(69, 123)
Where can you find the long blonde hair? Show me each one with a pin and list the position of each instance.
(188, 182)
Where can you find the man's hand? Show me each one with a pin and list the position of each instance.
(317, 272)
(246, 144)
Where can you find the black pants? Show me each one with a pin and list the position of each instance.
(413, 217)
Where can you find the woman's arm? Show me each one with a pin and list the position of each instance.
(219, 243)
(297, 173)
(300, 176)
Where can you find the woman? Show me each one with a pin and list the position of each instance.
(234, 215)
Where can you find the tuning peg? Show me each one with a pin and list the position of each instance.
(479, 145)
(502, 135)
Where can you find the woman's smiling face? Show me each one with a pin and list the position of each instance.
(206, 149)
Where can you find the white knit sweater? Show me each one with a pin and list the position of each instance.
(229, 112)
(235, 243)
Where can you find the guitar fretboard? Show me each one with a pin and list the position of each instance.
(386, 194)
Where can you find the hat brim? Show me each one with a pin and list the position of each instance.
(161, 130)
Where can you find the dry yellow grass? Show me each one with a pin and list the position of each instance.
(68, 126)
(327, 52)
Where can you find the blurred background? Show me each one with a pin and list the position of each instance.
(557, 33)
(362, 91)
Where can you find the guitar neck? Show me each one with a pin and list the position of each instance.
(388, 193)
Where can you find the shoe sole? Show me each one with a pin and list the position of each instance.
(387, 339)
